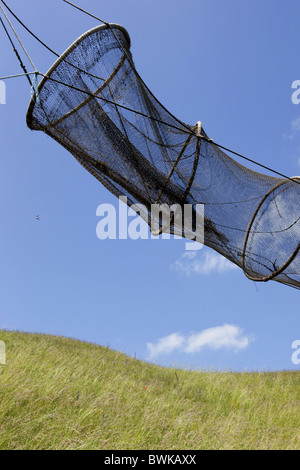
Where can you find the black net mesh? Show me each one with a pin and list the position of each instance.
(94, 103)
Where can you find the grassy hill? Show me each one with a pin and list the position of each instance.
(58, 393)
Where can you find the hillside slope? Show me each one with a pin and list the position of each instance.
(58, 393)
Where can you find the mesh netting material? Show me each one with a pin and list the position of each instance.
(150, 156)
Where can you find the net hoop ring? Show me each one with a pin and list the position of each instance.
(64, 56)
(292, 257)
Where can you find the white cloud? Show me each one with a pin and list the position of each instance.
(226, 336)
(205, 263)
(165, 345)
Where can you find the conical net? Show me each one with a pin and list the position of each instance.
(94, 103)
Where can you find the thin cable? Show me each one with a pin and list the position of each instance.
(20, 42)
(126, 52)
(86, 12)
(109, 27)
(18, 75)
(76, 67)
(45, 45)
(249, 159)
(28, 30)
(16, 52)
(115, 103)
(206, 139)
(124, 107)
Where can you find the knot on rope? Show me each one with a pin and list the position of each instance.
(34, 87)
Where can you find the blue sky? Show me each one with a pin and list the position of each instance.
(229, 64)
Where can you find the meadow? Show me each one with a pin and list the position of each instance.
(58, 393)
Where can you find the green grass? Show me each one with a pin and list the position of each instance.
(58, 393)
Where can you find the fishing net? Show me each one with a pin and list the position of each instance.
(93, 102)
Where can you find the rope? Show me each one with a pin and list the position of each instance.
(36, 73)
(18, 75)
(86, 12)
(35, 88)
(34, 83)
(188, 130)
(250, 160)
(28, 30)
(16, 52)
(114, 103)
(45, 45)
(20, 42)
(206, 139)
